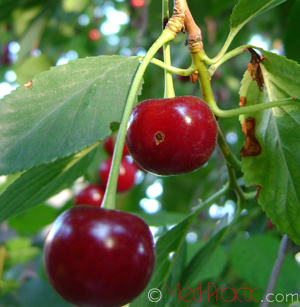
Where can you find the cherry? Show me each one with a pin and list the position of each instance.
(172, 136)
(127, 174)
(137, 3)
(91, 195)
(97, 257)
(109, 145)
(94, 35)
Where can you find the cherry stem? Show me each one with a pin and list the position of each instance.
(169, 87)
(225, 47)
(109, 200)
(229, 157)
(172, 69)
(255, 108)
(226, 57)
(223, 191)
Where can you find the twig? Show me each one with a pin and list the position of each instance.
(283, 250)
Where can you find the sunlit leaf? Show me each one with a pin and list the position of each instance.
(63, 110)
(275, 172)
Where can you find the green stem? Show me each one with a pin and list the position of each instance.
(212, 199)
(169, 87)
(172, 69)
(229, 157)
(258, 107)
(109, 201)
(228, 56)
(204, 80)
(225, 47)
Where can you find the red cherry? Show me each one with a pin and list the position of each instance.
(94, 34)
(137, 3)
(91, 195)
(172, 136)
(96, 257)
(127, 174)
(109, 145)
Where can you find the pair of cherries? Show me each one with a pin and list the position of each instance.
(97, 257)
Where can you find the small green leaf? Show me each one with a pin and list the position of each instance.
(17, 244)
(41, 182)
(65, 110)
(245, 10)
(253, 259)
(22, 256)
(277, 130)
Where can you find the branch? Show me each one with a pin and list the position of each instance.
(283, 250)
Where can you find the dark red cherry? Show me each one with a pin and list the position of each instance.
(127, 174)
(109, 145)
(172, 136)
(96, 257)
(91, 195)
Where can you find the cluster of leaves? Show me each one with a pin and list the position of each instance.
(48, 132)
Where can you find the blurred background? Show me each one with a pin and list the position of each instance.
(38, 34)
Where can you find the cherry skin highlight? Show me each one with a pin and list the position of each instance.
(127, 174)
(91, 195)
(96, 257)
(172, 136)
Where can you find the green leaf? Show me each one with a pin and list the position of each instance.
(30, 67)
(65, 110)
(245, 10)
(276, 169)
(17, 244)
(39, 293)
(292, 31)
(167, 250)
(27, 223)
(213, 267)
(193, 270)
(41, 182)
(253, 259)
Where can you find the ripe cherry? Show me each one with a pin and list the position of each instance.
(94, 35)
(96, 257)
(109, 145)
(137, 3)
(172, 136)
(91, 195)
(127, 174)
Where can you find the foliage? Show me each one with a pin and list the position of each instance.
(51, 131)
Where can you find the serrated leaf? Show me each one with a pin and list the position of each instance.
(245, 10)
(65, 110)
(167, 250)
(276, 169)
(39, 183)
(253, 259)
